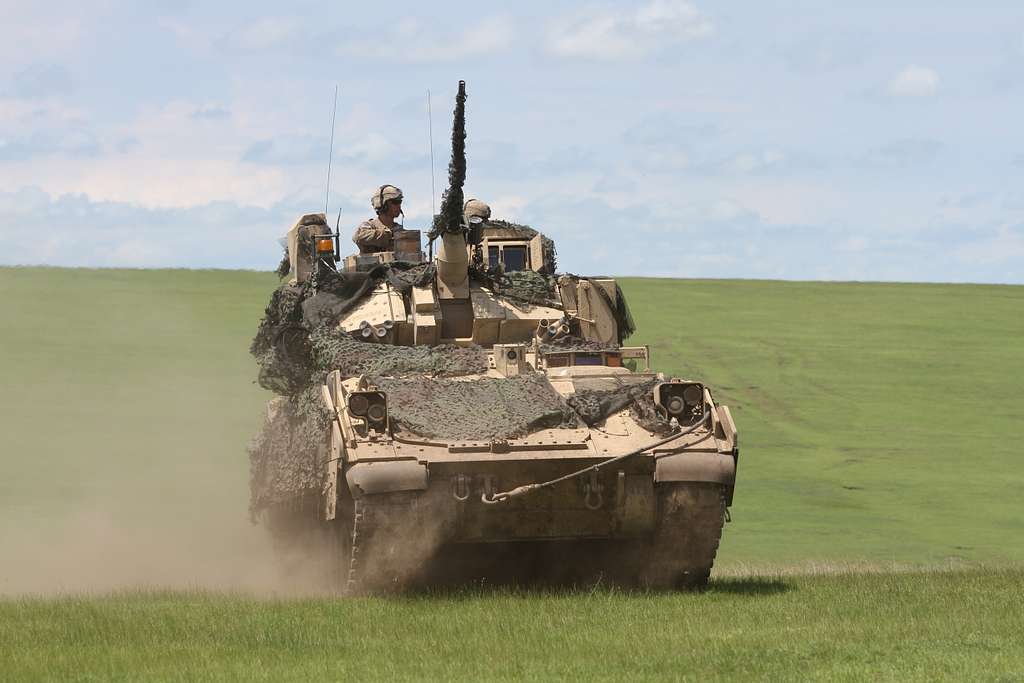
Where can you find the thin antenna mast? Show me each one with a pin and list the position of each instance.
(430, 135)
(433, 192)
(330, 158)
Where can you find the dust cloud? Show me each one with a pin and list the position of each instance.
(127, 406)
(114, 515)
(99, 550)
(97, 546)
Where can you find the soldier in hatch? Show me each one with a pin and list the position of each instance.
(476, 209)
(378, 234)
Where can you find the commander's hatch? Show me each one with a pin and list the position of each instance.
(512, 253)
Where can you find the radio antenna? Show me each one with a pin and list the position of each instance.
(330, 158)
(430, 136)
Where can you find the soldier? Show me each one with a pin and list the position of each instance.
(377, 234)
(476, 209)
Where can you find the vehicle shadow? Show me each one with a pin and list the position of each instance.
(476, 589)
(555, 569)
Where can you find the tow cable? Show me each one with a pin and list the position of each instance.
(529, 488)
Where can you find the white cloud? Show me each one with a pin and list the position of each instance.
(42, 80)
(266, 34)
(33, 32)
(727, 210)
(421, 43)
(754, 162)
(105, 234)
(827, 51)
(914, 81)
(619, 34)
(905, 152)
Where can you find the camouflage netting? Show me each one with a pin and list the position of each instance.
(594, 406)
(297, 344)
(528, 287)
(338, 293)
(282, 345)
(528, 233)
(286, 458)
(619, 308)
(524, 287)
(449, 218)
(334, 350)
(284, 267)
(573, 343)
(477, 410)
(623, 318)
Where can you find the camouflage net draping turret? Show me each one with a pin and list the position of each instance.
(619, 307)
(595, 405)
(286, 458)
(298, 343)
(477, 409)
(282, 342)
(334, 350)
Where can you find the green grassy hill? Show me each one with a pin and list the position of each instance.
(880, 425)
(879, 422)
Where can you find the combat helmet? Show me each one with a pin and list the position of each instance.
(383, 195)
(474, 208)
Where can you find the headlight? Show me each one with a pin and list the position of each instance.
(372, 406)
(681, 400)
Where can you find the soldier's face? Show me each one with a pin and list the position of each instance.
(393, 208)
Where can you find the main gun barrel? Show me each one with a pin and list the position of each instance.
(452, 256)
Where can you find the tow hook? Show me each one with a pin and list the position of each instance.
(460, 488)
(487, 486)
(592, 492)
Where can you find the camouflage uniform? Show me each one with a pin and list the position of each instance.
(372, 236)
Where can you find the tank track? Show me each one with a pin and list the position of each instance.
(389, 545)
(683, 548)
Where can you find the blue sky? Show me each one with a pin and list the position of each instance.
(794, 140)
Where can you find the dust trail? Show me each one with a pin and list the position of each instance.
(98, 550)
(176, 521)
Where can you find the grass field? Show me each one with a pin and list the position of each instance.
(848, 627)
(880, 423)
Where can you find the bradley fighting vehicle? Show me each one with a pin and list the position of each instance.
(476, 403)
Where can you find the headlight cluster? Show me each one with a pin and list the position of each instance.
(371, 406)
(681, 400)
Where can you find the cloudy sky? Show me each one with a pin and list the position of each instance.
(795, 140)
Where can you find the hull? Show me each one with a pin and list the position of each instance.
(403, 540)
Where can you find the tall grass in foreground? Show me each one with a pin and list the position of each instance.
(961, 625)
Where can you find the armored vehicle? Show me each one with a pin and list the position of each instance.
(447, 406)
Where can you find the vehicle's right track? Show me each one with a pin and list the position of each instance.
(683, 548)
(389, 546)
